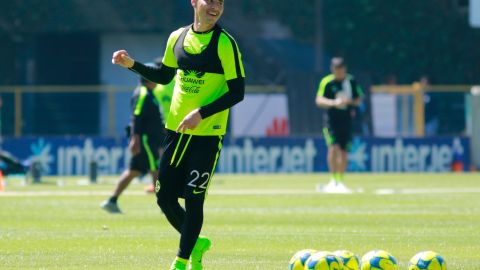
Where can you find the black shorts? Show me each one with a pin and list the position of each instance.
(148, 158)
(187, 164)
(339, 136)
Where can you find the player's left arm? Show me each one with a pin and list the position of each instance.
(234, 75)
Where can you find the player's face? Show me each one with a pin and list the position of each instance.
(339, 72)
(208, 11)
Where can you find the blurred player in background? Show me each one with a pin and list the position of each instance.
(146, 133)
(210, 80)
(338, 93)
(164, 93)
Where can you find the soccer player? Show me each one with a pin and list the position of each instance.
(338, 93)
(164, 93)
(209, 81)
(146, 133)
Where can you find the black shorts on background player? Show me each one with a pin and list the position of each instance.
(340, 137)
(142, 162)
(147, 123)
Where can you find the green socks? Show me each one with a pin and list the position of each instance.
(179, 264)
(338, 177)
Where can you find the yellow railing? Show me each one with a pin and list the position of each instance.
(109, 90)
(417, 90)
(17, 92)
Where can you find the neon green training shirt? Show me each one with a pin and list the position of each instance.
(196, 89)
(163, 93)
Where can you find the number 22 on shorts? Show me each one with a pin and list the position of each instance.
(199, 181)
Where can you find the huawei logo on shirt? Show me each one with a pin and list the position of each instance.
(193, 77)
(198, 74)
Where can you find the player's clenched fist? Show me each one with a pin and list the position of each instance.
(122, 58)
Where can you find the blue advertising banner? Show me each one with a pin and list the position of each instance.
(273, 154)
(72, 156)
(269, 155)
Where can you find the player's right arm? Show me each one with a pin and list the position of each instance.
(324, 97)
(327, 103)
(162, 74)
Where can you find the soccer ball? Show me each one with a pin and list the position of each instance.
(350, 260)
(378, 260)
(324, 260)
(297, 262)
(427, 260)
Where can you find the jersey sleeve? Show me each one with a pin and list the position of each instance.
(230, 57)
(324, 87)
(169, 55)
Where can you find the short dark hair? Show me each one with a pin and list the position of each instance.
(338, 62)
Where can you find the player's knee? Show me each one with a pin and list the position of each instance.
(194, 203)
(163, 201)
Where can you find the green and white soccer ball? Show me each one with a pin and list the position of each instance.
(324, 260)
(378, 260)
(297, 262)
(427, 260)
(350, 260)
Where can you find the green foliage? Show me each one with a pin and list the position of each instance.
(407, 39)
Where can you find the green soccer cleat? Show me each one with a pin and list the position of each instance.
(110, 207)
(203, 245)
(179, 264)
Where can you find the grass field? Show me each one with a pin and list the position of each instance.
(254, 221)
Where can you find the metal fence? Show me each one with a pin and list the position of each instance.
(105, 110)
(73, 110)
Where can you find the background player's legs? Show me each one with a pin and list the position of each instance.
(127, 176)
(125, 180)
(341, 167)
(333, 157)
(342, 163)
(154, 173)
(337, 163)
(151, 187)
(151, 145)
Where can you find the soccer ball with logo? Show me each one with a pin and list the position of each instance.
(378, 260)
(427, 260)
(297, 262)
(324, 260)
(350, 260)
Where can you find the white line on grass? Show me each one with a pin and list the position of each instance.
(388, 191)
(239, 192)
(51, 193)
